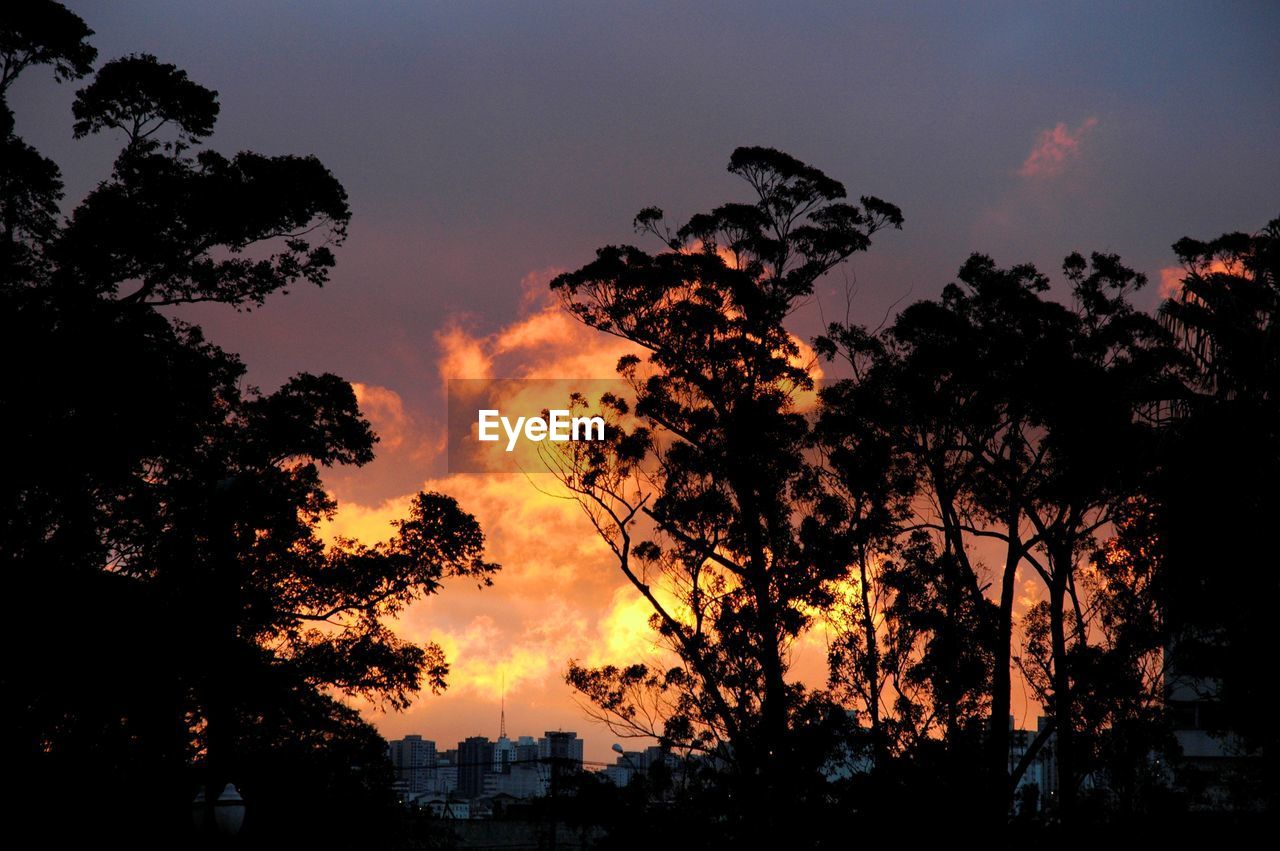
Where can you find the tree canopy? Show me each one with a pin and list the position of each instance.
(182, 614)
(1043, 422)
(719, 452)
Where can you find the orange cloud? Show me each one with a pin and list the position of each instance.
(385, 411)
(535, 287)
(1054, 148)
(405, 441)
(1171, 276)
(559, 595)
(461, 355)
(1171, 281)
(546, 342)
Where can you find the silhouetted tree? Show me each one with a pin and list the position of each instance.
(1014, 416)
(697, 500)
(1083, 380)
(892, 433)
(161, 519)
(37, 33)
(43, 32)
(1216, 497)
(1130, 746)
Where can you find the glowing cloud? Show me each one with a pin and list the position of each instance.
(1171, 276)
(462, 355)
(385, 410)
(559, 595)
(1054, 149)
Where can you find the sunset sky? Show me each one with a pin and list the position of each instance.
(487, 146)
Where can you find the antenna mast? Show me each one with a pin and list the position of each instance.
(502, 723)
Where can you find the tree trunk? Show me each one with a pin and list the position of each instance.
(773, 783)
(1001, 684)
(1060, 565)
(872, 667)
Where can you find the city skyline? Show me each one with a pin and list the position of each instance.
(480, 767)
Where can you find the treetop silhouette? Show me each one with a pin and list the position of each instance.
(168, 515)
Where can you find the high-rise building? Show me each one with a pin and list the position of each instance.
(504, 754)
(414, 760)
(656, 755)
(1217, 757)
(446, 775)
(631, 764)
(619, 775)
(561, 746)
(526, 750)
(524, 780)
(626, 767)
(1037, 787)
(475, 760)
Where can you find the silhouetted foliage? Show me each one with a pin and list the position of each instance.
(1011, 418)
(710, 472)
(182, 622)
(1216, 494)
(140, 95)
(42, 32)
